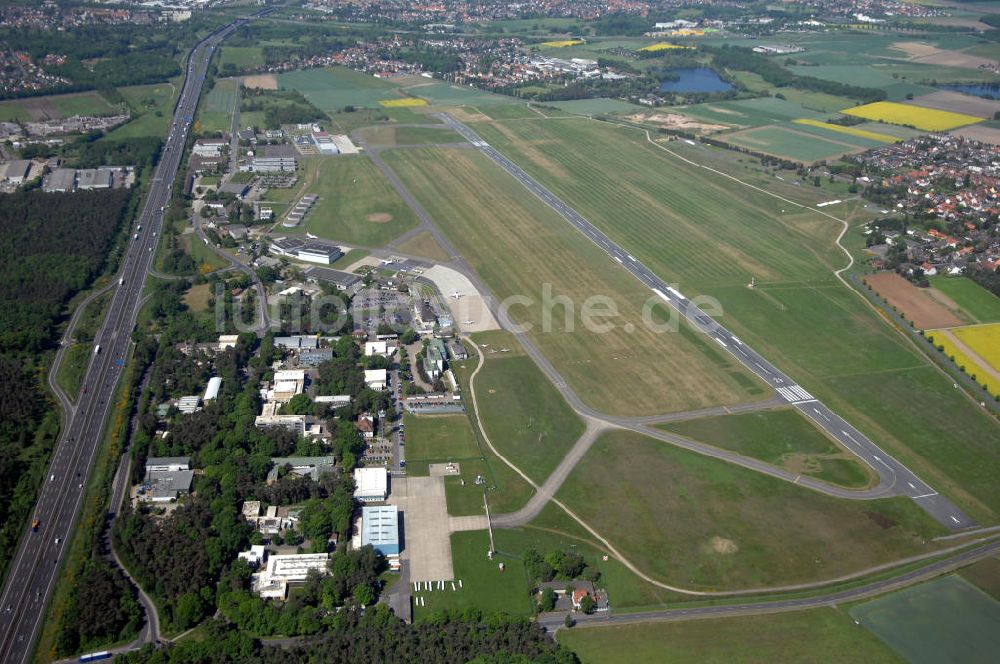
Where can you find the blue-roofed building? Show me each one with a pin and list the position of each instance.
(380, 528)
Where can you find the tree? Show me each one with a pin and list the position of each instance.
(190, 610)
(587, 604)
(569, 622)
(548, 602)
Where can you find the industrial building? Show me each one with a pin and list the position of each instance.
(299, 424)
(377, 379)
(312, 357)
(189, 404)
(303, 466)
(344, 281)
(324, 143)
(298, 341)
(94, 178)
(168, 464)
(314, 252)
(61, 180)
(269, 165)
(372, 484)
(167, 478)
(434, 404)
(380, 528)
(17, 171)
(280, 571)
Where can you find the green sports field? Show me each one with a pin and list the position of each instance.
(356, 204)
(782, 437)
(981, 305)
(703, 524)
(945, 620)
(710, 235)
(819, 635)
(522, 248)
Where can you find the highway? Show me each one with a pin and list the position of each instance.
(896, 479)
(36, 564)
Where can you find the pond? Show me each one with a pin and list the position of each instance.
(988, 90)
(695, 79)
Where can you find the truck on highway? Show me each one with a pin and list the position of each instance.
(95, 656)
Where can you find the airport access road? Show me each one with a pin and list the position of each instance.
(36, 564)
(896, 479)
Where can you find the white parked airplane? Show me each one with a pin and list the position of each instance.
(456, 294)
(311, 236)
(469, 322)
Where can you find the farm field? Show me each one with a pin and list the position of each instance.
(849, 131)
(966, 358)
(595, 106)
(333, 88)
(388, 135)
(517, 244)
(437, 439)
(708, 235)
(980, 304)
(505, 111)
(984, 340)
(866, 76)
(814, 101)
(928, 119)
(820, 635)
(797, 143)
(915, 304)
(944, 620)
(525, 417)
(356, 205)
(985, 575)
(54, 107)
(216, 113)
(241, 57)
(781, 437)
(750, 112)
(704, 524)
(151, 105)
(957, 102)
(443, 93)
(484, 586)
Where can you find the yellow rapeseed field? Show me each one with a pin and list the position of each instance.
(853, 131)
(663, 46)
(972, 367)
(564, 42)
(402, 103)
(984, 340)
(925, 119)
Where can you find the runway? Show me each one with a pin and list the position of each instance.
(896, 479)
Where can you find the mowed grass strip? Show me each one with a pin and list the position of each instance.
(927, 119)
(782, 437)
(944, 620)
(522, 248)
(356, 204)
(820, 635)
(852, 131)
(701, 523)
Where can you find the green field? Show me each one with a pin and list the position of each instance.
(442, 93)
(525, 417)
(782, 437)
(945, 620)
(333, 88)
(423, 244)
(978, 303)
(437, 439)
(506, 111)
(518, 245)
(388, 135)
(54, 107)
(151, 106)
(216, 113)
(710, 236)
(701, 523)
(241, 57)
(814, 101)
(874, 77)
(819, 635)
(595, 106)
(356, 204)
(798, 142)
(985, 575)
(74, 364)
(751, 112)
(484, 586)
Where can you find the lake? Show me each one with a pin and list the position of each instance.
(988, 90)
(695, 79)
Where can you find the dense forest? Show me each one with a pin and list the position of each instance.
(54, 245)
(377, 636)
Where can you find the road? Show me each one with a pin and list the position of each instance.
(36, 564)
(896, 479)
